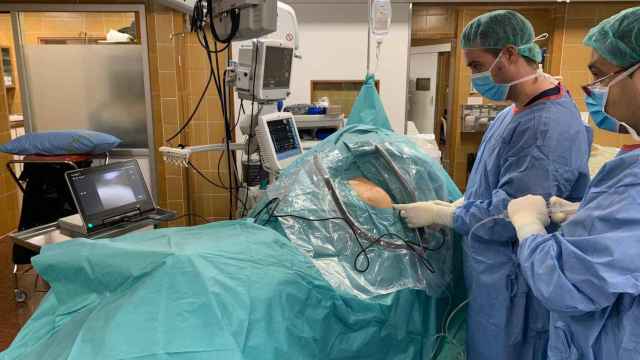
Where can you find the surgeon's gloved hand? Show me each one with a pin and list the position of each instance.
(529, 215)
(557, 203)
(456, 204)
(427, 213)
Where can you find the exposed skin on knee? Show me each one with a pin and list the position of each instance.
(370, 193)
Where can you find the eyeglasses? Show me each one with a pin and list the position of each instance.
(602, 82)
(587, 89)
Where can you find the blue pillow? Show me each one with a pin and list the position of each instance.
(61, 143)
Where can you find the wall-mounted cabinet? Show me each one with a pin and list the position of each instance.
(7, 64)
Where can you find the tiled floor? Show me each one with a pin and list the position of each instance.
(12, 315)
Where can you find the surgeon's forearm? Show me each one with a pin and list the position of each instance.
(474, 212)
(542, 265)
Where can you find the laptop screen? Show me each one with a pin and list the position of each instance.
(108, 191)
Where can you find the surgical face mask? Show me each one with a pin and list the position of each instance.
(596, 101)
(487, 87)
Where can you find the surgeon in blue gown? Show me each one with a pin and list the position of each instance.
(588, 273)
(539, 145)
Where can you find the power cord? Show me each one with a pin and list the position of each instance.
(203, 13)
(205, 177)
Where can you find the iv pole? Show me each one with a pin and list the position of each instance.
(369, 38)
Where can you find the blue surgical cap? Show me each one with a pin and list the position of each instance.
(617, 39)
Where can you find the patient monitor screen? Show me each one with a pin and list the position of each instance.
(109, 189)
(284, 138)
(277, 67)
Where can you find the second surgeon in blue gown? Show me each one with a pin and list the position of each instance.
(588, 273)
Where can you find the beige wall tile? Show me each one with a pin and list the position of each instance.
(577, 29)
(168, 130)
(197, 82)
(166, 58)
(198, 133)
(219, 206)
(574, 80)
(164, 28)
(173, 170)
(611, 9)
(215, 131)
(582, 11)
(201, 161)
(214, 109)
(201, 114)
(170, 111)
(576, 58)
(168, 84)
(174, 188)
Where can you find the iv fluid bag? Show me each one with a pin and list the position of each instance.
(380, 19)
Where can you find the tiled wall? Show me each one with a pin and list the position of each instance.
(166, 112)
(207, 128)
(6, 40)
(8, 189)
(575, 56)
(38, 25)
(179, 71)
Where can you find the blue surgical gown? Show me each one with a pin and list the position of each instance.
(542, 149)
(588, 273)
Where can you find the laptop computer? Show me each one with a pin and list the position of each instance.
(108, 195)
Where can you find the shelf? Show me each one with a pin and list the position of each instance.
(317, 121)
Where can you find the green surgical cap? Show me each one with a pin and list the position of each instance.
(499, 29)
(617, 38)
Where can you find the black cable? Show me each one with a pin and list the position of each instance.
(195, 110)
(268, 203)
(198, 25)
(240, 111)
(223, 97)
(229, 137)
(235, 23)
(207, 179)
(416, 249)
(197, 21)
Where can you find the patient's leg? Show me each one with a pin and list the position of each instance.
(370, 193)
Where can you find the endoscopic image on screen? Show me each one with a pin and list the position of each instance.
(114, 189)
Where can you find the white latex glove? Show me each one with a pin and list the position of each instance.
(529, 215)
(427, 213)
(456, 204)
(559, 217)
